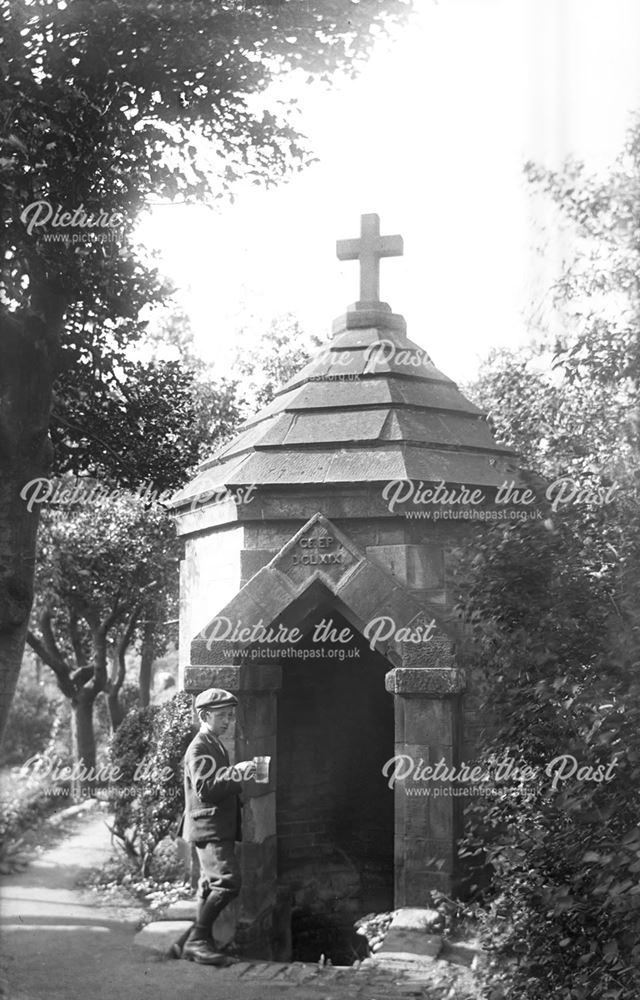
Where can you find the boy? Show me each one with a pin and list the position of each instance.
(212, 819)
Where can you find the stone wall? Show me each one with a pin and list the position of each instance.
(415, 552)
(210, 574)
(327, 841)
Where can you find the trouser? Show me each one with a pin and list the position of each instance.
(219, 883)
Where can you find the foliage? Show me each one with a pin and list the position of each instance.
(136, 426)
(24, 803)
(148, 749)
(104, 554)
(34, 719)
(128, 699)
(106, 106)
(282, 350)
(559, 670)
(121, 553)
(218, 410)
(104, 566)
(553, 611)
(561, 424)
(220, 405)
(150, 425)
(109, 103)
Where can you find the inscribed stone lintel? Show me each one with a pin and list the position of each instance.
(427, 682)
(244, 677)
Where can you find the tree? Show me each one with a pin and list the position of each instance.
(554, 611)
(135, 427)
(104, 567)
(103, 104)
(282, 350)
(201, 413)
(148, 439)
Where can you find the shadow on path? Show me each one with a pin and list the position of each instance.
(59, 943)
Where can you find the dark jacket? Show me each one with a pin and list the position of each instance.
(212, 804)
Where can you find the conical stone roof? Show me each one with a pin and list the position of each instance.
(370, 408)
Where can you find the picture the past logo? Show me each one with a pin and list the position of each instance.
(42, 213)
(560, 493)
(404, 768)
(379, 629)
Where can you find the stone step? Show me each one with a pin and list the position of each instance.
(413, 931)
(182, 909)
(392, 975)
(163, 937)
(266, 970)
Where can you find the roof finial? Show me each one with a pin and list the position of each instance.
(368, 249)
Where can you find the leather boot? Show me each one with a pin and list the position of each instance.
(204, 953)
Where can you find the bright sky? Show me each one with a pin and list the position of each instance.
(433, 137)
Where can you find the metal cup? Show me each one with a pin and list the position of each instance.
(262, 768)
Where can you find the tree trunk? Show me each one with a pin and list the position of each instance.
(114, 687)
(146, 663)
(11, 649)
(18, 530)
(116, 713)
(84, 740)
(28, 349)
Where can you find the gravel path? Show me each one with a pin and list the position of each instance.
(59, 942)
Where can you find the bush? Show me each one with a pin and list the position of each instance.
(35, 718)
(129, 699)
(560, 675)
(148, 748)
(24, 803)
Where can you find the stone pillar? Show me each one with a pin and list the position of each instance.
(255, 734)
(428, 820)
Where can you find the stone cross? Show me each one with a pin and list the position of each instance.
(368, 249)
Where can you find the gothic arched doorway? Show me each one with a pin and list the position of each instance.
(335, 813)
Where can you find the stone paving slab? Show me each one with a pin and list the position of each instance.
(182, 909)
(407, 943)
(375, 977)
(413, 918)
(266, 970)
(165, 937)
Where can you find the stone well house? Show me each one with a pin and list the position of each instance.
(313, 594)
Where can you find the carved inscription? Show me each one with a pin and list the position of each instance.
(322, 551)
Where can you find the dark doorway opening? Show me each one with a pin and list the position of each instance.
(335, 813)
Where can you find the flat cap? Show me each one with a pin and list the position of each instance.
(215, 698)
